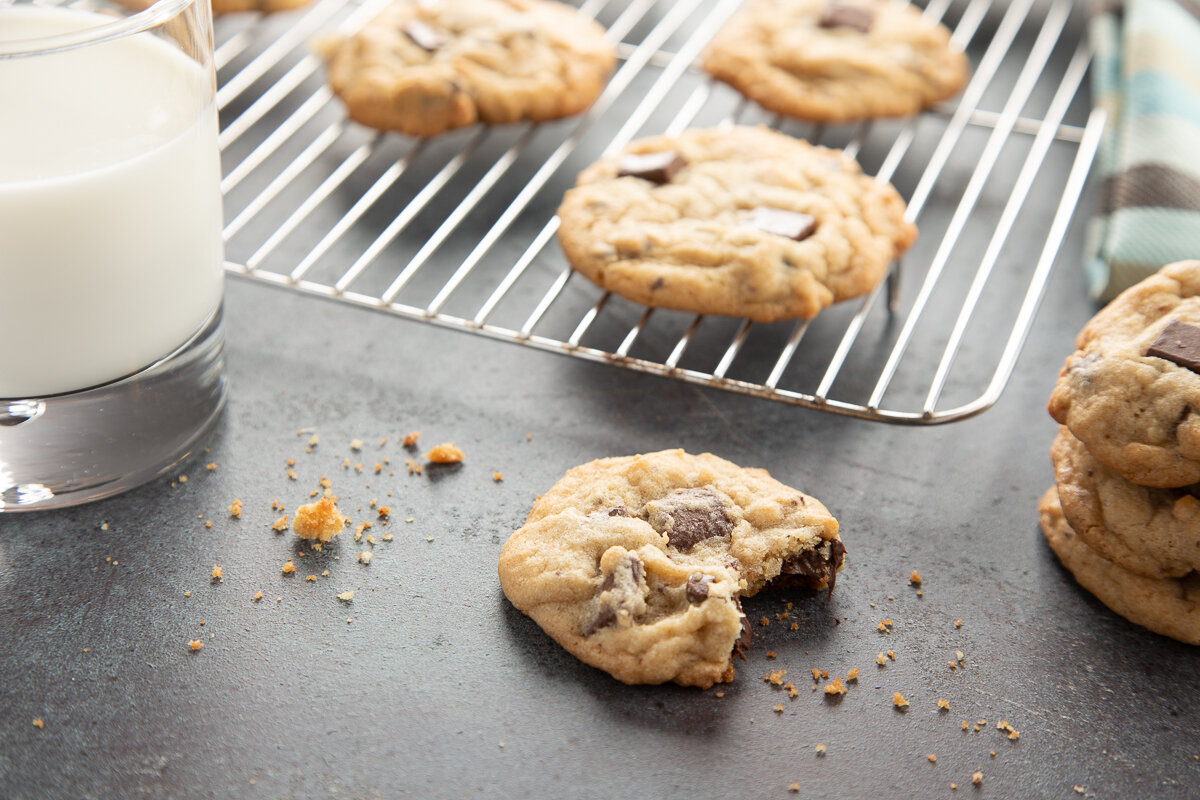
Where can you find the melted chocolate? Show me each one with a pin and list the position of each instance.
(697, 587)
(423, 36)
(780, 222)
(657, 168)
(846, 15)
(811, 569)
(742, 643)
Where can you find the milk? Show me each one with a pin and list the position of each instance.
(110, 212)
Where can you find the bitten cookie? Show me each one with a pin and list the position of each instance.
(742, 221)
(1169, 606)
(836, 61)
(636, 565)
(1153, 532)
(426, 66)
(1131, 390)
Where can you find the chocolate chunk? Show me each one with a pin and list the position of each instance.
(689, 516)
(812, 568)
(742, 643)
(636, 571)
(607, 616)
(788, 224)
(654, 167)
(697, 587)
(1180, 343)
(847, 15)
(423, 36)
(618, 511)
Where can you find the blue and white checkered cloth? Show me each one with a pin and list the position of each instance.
(1146, 73)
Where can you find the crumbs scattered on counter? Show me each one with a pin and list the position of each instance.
(216, 572)
(914, 578)
(288, 567)
(257, 596)
(775, 677)
(196, 645)
(210, 466)
(280, 525)
(943, 705)
(884, 626)
(38, 723)
(932, 758)
(497, 476)
(235, 509)
(836, 688)
(977, 777)
(820, 749)
(445, 453)
(319, 521)
(365, 558)
(898, 700)
(346, 597)
(410, 439)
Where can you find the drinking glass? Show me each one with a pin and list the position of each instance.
(110, 247)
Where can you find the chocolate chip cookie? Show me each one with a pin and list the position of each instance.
(636, 565)
(1131, 390)
(426, 66)
(741, 221)
(1153, 532)
(1169, 606)
(837, 61)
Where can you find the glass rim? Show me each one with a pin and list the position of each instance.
(156, 13)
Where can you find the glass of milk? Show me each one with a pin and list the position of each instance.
(110, 246)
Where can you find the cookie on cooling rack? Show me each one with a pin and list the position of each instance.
(427, 66)
(1153, 532)
(831, 61)
(1131, 390)
(1169, 606)
(740, 221)
(636, 565)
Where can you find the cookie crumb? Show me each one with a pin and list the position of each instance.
(319, 521)
(932, 758)
(953, 786)
(958, 623)
(356, 444)
(210, 466)
(778, 709)
(497, 476)
(764, 622)
(257, 596)
(288, 568)
(235, 509)
(280, 525)
(891, 654)
(346, 597)
(413, 467)
(881, 659)
(835, 688)
(958, 656)
(384, 512)
(775, 676)
(820, 749)
(216, 573)
(187, 593)
(195, 644)
(884, 626)
(794, 788)
(387, 537)
(852, 675)
(38, 723)
(1079, 789)
(311, 578)
(795, 626)
(720, 694)
(898, 701)
(445, 453)
(943, 705)
(914, 578)
(410, 439)
(364, 557)
(977, 777)
(770, 654)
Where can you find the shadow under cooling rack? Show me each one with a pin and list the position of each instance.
(459, 230)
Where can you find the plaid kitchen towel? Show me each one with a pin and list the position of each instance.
(1146, 73)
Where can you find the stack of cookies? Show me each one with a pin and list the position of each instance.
(1124, 517)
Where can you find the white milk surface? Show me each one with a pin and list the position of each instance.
(110, 212)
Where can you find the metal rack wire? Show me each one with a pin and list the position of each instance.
(458, 230)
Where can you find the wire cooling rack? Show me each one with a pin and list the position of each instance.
(459, 230)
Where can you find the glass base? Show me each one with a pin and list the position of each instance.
(81, 446)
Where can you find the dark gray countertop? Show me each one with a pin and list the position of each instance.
(429, 684)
